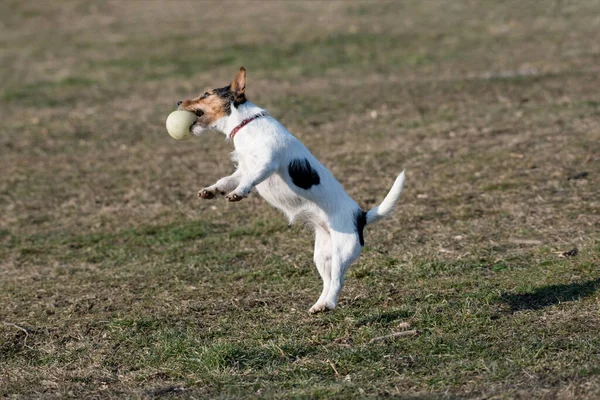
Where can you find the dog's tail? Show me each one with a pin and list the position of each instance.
(387, 205)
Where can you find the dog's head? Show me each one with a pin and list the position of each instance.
(215, 104)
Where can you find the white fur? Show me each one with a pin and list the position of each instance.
(263, 151)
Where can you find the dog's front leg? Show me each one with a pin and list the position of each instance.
(222, 186)
(250, 179)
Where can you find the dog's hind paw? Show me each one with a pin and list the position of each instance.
(321, 307)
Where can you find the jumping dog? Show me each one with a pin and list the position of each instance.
(289, 177)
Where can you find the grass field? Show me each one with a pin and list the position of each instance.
(117, 282)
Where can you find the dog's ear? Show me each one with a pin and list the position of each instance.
(238, 85)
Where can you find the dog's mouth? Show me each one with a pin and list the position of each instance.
(199, 113)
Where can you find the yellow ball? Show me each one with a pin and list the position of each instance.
(179, 123)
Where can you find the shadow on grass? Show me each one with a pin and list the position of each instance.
(546, 296)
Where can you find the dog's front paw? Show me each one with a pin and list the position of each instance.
(207, 193)
(234, 197)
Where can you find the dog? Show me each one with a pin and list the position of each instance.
(289, 177)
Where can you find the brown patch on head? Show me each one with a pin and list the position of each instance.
(216, 103)
(210, 106)
(238, 87)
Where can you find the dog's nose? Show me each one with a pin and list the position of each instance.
(179, 103)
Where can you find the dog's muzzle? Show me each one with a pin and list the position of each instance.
(198, 112)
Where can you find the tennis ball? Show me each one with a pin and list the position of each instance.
(179, 124)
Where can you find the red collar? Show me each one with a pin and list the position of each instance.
(246, 122)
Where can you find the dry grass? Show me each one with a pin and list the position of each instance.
(116, 281)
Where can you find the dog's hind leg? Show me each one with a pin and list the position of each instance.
(346, 248)
(322, 257)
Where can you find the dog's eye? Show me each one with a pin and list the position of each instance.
(205, 95)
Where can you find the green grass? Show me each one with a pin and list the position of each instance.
(117, 282)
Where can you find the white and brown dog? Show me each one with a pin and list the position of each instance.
(290, 178)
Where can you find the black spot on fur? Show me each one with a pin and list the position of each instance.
(226, 93)
(239, 100)
(302, 174)
(360, 221)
